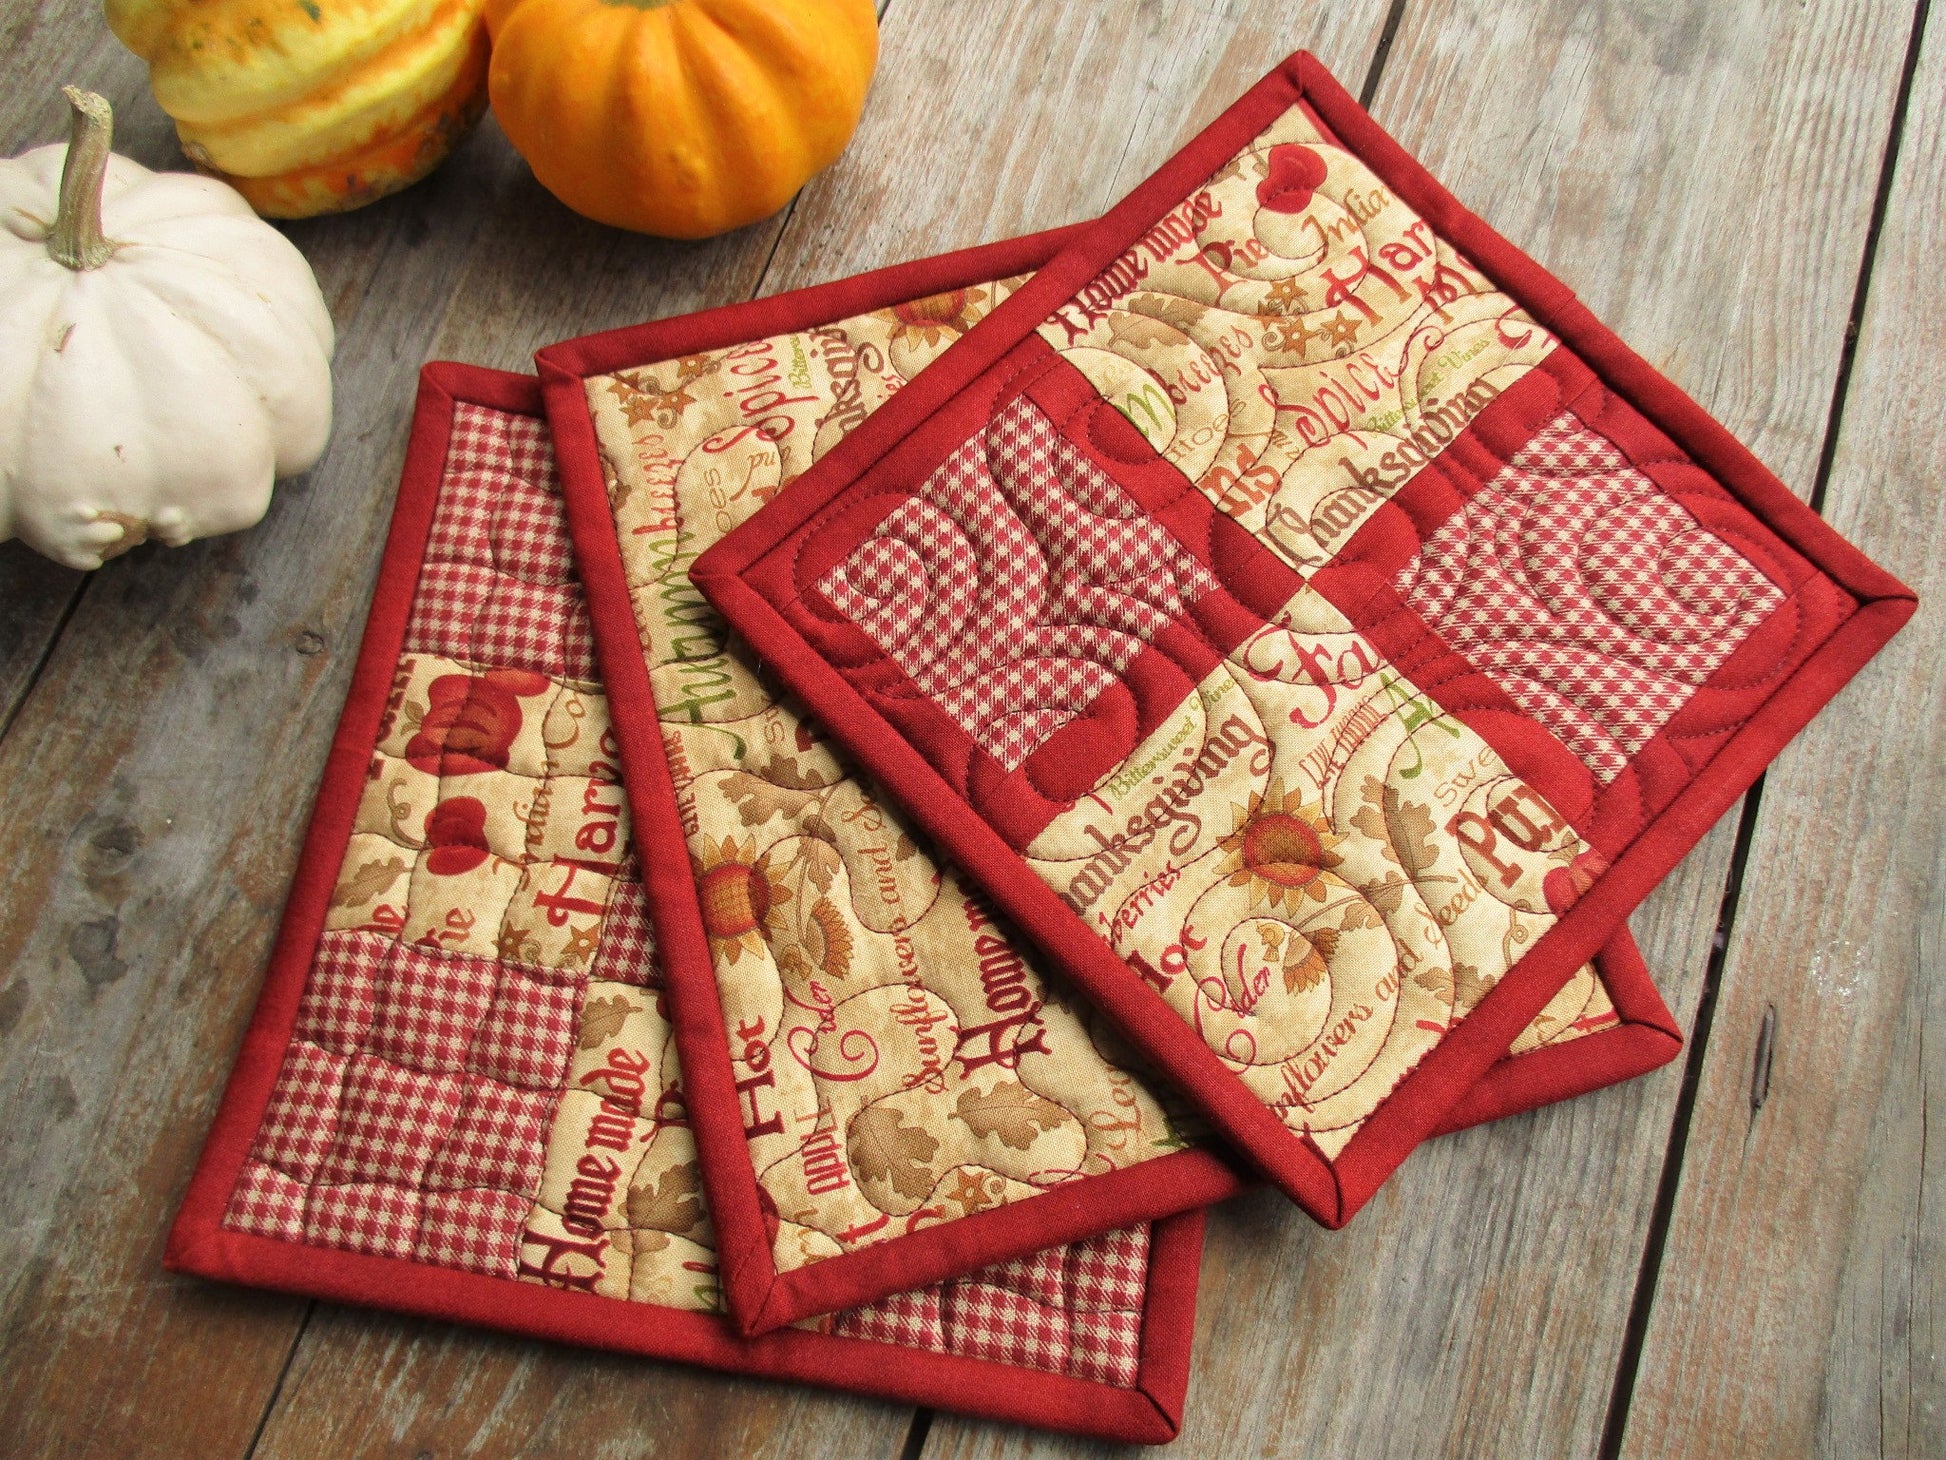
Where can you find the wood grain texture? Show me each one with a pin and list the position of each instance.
(43, 45)
(1798, 1311)
(367, 1384)
(1479, 1305)
(994, 119)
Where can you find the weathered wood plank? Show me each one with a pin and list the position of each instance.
(42, 47)
(997, 119)
(1478, 1306)
(364, 1384)
(35, 595)
(1798, 1310)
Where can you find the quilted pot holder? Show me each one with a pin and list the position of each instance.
(886, 1085)
(458, 1096)
(1302, 619)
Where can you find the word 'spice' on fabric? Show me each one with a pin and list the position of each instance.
(1305, 622)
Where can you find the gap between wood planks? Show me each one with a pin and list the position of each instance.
(1621, 1396)
(11, 712)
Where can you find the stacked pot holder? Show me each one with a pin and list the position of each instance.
(1021, 745)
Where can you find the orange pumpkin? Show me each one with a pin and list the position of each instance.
(312, 107)
(684, 118)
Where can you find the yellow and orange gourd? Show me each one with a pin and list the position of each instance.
(312, 106)
(683, 118)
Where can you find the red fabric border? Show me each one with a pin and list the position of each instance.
(1332, 1191)
(1150, 1413)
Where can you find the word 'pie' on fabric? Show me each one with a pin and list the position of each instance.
(1294, 612)
(887, 1084)
(461, 1096)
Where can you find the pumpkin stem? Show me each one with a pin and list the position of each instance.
(75, 239)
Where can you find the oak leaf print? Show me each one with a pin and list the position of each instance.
(673, 1204)
(1412, 830)
(1404, 829)
(602, 1020)
(367, 882)
(1141, 332)
(1470, 986)
(648, 1243)
(885, 1149)
(1010, 1111)
(1462, 986)
(1384, 896)
(757, 798)
(1370, 817)
(1363, 915)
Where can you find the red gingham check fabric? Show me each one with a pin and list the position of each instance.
(301, 1120)
(1016, 584)
(1072, 1310)
(498, 588)
(268, 1202)
(530, 536)
(910, 1320)
(494, 458)
(428, 1005)
(482, 616)
(627, 950)
(528, 1033)
(499, 1140)
(342, 993)
(374, 1217)
(391, 1122)
(1109, 1271)
(477, 1230)
(1593, 598)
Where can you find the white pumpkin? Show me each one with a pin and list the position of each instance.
(164, 353)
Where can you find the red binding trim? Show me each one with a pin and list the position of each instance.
(729, 573)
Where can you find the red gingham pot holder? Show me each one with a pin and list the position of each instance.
(460, 1096)
(1303, 620)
